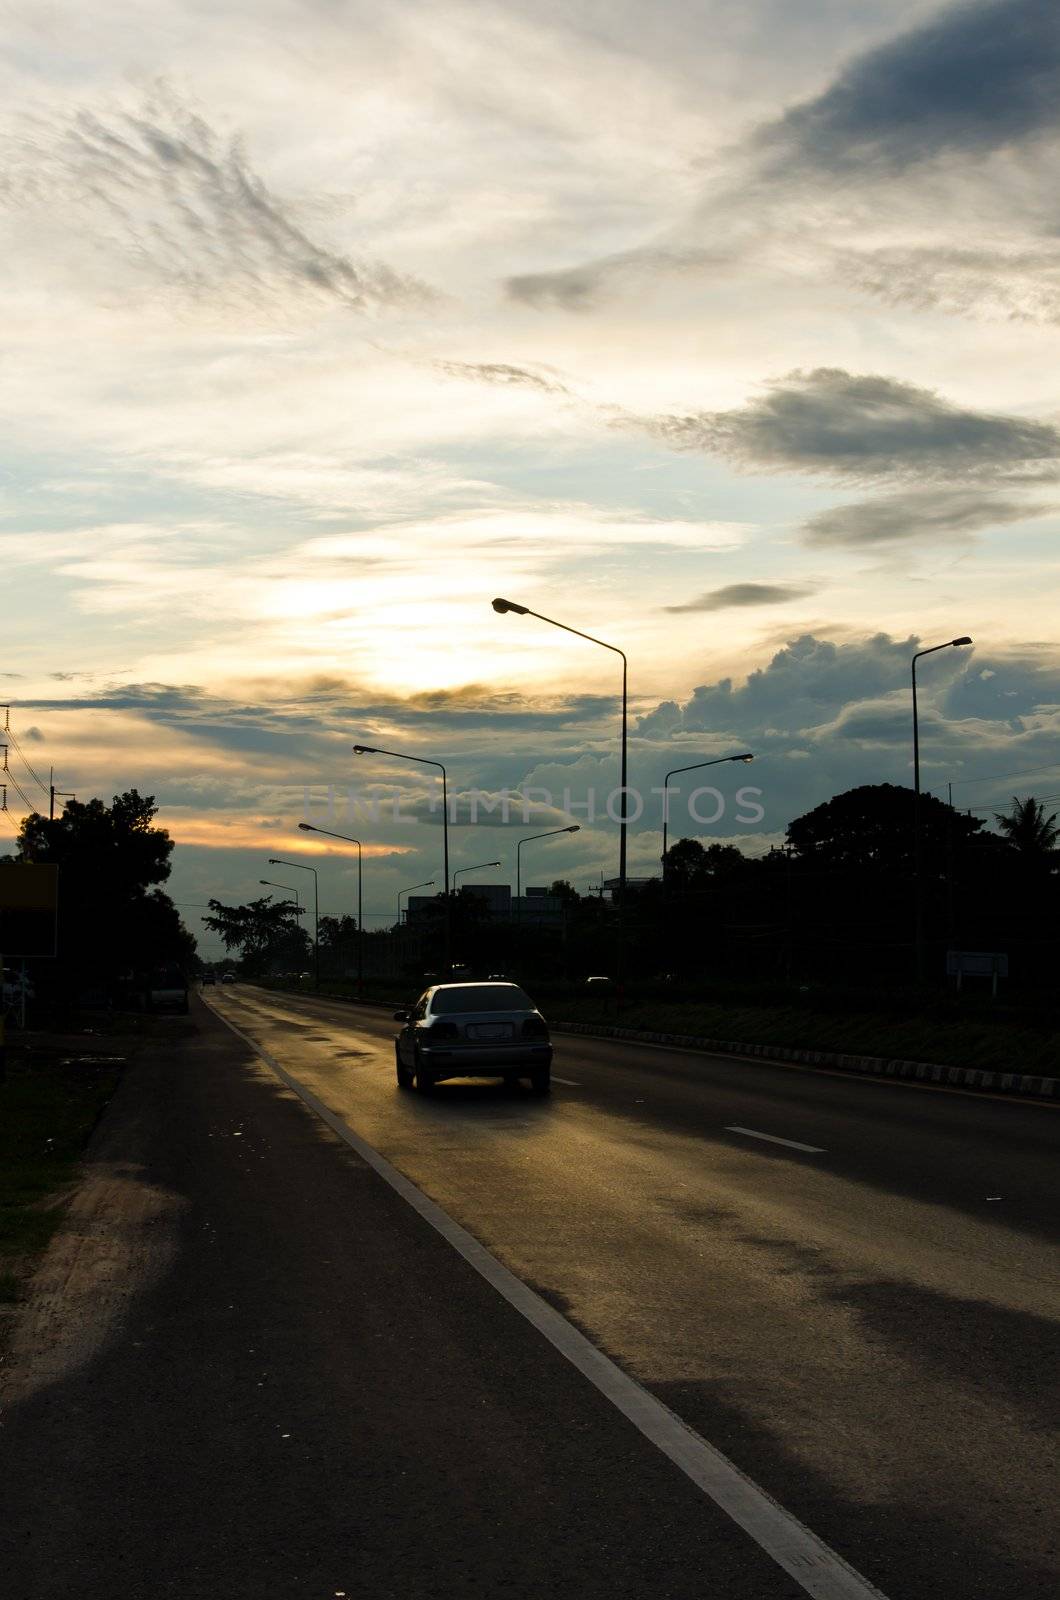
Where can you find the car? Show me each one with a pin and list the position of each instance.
(228, 977)
(208, 978)
(167, 990)
(473, 1030)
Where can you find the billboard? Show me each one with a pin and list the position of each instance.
(29, 897)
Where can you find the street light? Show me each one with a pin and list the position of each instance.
(300, 866)
(424, 761)
(428, 885)
(717, 762)
(918, 887)
(268, 884)
(575, 827)
(502, 606)
(479, 868)
(308, 827)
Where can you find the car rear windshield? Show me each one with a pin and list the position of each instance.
(480, 997)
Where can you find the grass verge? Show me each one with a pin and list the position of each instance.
(948, 1041)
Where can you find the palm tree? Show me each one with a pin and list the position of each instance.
(1027, 828)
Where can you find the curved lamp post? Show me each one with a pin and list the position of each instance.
(717, 762)
(503, 606)
(267, 883)
(458, 870)
(300, 866)
(575, 827)
(424, 761)
(308, 827)
(428, 885)
(918, 886)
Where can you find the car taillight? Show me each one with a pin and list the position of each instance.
(444, 1030)
(535, 1028)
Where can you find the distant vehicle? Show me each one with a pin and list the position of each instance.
(473, 1030)
(167, 990)
(208, 978)
(228, 977)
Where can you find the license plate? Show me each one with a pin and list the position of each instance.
(489, 1030)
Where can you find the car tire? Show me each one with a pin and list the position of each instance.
(541, 1082)
(404, 1076)
(424, 1078)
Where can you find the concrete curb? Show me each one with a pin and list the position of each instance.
(876, 1066)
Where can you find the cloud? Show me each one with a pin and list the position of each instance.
(864, 426)
(998, 282)
(916, 514)
(976, 78)
(192, 211)
(952, 118)
(575, 288)
(744, 594)
(502, 374)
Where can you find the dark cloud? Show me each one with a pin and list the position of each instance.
(941, 98)
(864, 426)
(805, 683)
(916, 514)
(744, 594)
(823, 716)
(977, 78)
(501, 374)
(195, 212)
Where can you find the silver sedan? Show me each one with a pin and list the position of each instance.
(473, 1030)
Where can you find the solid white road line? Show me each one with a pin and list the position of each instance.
(570, 1083)
(771, 1138)
(816, 1568)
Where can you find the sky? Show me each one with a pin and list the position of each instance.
(726, 334)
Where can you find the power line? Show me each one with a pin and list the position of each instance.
(38, 780)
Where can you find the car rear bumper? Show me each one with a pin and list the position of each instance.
(469, 1059)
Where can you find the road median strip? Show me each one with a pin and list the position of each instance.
(876, 1066)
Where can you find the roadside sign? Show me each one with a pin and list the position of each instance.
(29, 898)
(992, 964)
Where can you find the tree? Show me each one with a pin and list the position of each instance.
(113, 919)
(265, 932)
(690, 865)
(1028, 830)
(872, 827)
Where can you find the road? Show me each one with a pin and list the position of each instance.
(275, 1378)
(868, 1327)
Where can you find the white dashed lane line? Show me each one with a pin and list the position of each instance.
(568, 1083)
(772, 1138)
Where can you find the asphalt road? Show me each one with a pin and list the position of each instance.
(248, 1369)
(283, 1382)
(868, 1327)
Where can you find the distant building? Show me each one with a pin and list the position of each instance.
(536, 908)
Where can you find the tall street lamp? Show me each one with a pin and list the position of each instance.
(918, 886)
(424, 761)
(267, 883)
(308, 827)
(525, 611)
(717, 762)
(300, 866)
(575, 827)
(428, 885)
(479, 868)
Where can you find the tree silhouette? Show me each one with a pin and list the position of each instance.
(1027, 829)
(114, 921)
(265, 932)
